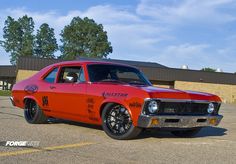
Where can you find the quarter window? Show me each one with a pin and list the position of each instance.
(50, 78)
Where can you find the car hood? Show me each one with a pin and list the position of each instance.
(165, 93)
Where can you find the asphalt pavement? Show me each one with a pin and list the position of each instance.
(63, 141)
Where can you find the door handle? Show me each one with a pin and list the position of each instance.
(52, 87)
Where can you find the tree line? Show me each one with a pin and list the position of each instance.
(82, 37)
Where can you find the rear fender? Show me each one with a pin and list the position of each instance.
(32, 98)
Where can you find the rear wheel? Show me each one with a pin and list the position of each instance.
(186, 133)
(33, 114)
(117, 122)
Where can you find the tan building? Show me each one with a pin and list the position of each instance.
(221, 84)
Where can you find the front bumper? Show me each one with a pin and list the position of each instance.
(168, 121)
(12, 101)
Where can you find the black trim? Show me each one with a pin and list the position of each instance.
(181, 108)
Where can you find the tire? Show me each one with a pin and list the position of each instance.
(186, 133)
(117, 123)
(33, 114)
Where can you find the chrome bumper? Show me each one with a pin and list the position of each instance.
(167, 121)
(12, 101)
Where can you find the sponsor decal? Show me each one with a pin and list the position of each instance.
(45, 100)
(90, 108)
(31, 88)
(20, 143)
(93, 118)
(135, 105)
(114, 94)
(90, 101)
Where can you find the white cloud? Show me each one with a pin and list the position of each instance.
(111, 15)
(148, 31)
(194, 56)
(197, 56)
(127, 32)
(186, 11)
(52, 18)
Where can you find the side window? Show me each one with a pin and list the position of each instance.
(81, 75)
(51, 76)
(73, 74)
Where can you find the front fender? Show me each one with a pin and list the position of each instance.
(117, 101)
(134, 111)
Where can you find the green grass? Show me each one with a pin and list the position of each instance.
(5, 93)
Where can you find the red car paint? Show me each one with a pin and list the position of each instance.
(83, 102)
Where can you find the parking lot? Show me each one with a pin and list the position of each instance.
(71, 142)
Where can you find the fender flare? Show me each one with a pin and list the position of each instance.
(30, 97)
(117, 101)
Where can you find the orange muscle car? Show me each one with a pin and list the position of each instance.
(118, 97)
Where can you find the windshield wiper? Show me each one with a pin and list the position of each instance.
(112, 80)
(137, 83)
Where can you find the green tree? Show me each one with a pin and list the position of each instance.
(27, 38)
(45, 43)
(208, 69)
(18, 37)
(84, 37)
(12, 37)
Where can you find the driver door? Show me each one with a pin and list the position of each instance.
(69, 93)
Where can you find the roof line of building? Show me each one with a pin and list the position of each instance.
(154, 71)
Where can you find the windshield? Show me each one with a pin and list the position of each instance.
(116, 74)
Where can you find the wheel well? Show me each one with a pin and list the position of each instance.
(28, 100)
(105, 104)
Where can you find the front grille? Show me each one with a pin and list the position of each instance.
(184, 108)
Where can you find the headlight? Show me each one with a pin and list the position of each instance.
(153, 106)
(211, 108)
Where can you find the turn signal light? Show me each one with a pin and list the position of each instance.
(155, 121)
(213, 121)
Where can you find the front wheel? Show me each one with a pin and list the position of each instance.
(186, 133)
(117, 122)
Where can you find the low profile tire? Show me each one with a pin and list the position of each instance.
(117, 123)
(186, 133)
(33, 114)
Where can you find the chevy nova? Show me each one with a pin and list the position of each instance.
(118, 97)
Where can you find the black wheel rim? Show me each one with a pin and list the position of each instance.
(31, 110)
(118, 120)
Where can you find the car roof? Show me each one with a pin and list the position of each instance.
(89, 62)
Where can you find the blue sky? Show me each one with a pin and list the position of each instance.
(197, 33)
